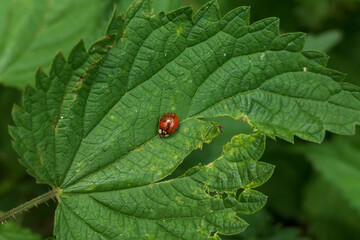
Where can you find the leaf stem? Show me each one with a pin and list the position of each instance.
(30, 204)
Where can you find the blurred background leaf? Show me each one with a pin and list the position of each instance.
(323, 42)
(159, 5)
(11, 231)
(338, 161)
(32, 31)
(329, 214)
(285, 187)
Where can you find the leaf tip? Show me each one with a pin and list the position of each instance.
(211, 6)
(42, 80)
(57, 64)
(78, 55)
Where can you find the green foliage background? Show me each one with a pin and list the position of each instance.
(315, 190)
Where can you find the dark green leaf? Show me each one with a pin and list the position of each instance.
(328, 213)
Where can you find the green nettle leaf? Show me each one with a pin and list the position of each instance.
(31, 31)
(89, 129)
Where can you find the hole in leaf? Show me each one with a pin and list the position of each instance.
(239, 192)
(210, 152)
(212, 233)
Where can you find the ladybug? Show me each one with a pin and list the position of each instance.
(168, 124)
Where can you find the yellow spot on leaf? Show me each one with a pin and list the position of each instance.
(179, 30)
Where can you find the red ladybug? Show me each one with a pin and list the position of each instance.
(168, 124)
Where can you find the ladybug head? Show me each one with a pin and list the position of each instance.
(163, 133)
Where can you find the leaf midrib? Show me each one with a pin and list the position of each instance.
(124, 156)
